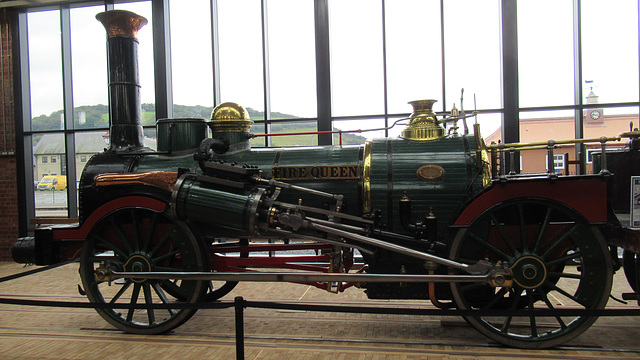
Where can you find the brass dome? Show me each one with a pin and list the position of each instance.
(230, 117)
(423, 124)
(229, 111)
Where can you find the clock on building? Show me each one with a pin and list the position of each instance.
(594, 114)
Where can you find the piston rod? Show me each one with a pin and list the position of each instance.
(479, 268)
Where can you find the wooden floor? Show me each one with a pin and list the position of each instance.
(28, 332)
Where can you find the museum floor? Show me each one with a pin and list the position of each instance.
(31, 332)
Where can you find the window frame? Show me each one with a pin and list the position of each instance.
(510, 109)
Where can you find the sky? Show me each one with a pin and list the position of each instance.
(472, 53)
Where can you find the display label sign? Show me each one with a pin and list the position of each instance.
(635, 202)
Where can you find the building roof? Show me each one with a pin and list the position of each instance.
(86, 143)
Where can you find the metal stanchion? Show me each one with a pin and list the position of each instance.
(239, 306)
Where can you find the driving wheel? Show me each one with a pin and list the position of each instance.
(138, 239)
(557, 260)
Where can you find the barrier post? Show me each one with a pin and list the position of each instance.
(239, 302)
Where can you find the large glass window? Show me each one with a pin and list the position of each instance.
(45, 70)
(50, 182)
(610, 49)
(240, 36)
(191, 57)
(414, 55)
(545, 52)
(472, 58)
(357, 131)
(357, 81)
(292, 68)
(382, 54)
(89, 68)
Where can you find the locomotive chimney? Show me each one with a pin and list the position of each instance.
(124, 88)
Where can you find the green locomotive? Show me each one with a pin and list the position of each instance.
(416, 217)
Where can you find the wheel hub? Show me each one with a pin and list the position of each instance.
(137, 263)
(529, 272)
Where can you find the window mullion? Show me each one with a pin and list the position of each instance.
(162, 58)
(384, 70)
(215, 52)
(442, 55)
(510, 96)
(67, 96)
(266, 80)
(577, 77)
(24, 148)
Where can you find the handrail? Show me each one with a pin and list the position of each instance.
(549, 145)
(503, 146)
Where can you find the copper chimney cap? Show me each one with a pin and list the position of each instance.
(122, 23)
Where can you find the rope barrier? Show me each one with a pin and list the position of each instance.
(307, 307)
(329, 308)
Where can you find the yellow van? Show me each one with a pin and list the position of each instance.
(52, 183)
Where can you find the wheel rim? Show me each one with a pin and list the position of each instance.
(562, 262)
(140, 239)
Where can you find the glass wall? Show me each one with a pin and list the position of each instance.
(45, 70)
(577, 69)
(89, 68)
(545, 53)
(191, 57)
(357, 73)
(413, 53)
(584, 75)
(292, 67)
(47, 104)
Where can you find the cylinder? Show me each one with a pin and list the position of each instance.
(124, 87)
(203, 202)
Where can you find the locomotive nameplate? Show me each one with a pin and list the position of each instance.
(317, 172)
(430, 173)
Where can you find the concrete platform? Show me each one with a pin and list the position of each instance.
(28, 332)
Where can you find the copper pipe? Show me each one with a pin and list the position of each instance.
(164, 180)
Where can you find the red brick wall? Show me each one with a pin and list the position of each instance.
(8, 175)
(8, 206)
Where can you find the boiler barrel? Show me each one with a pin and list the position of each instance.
(437, 175)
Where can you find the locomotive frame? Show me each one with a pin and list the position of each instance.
(185, 223)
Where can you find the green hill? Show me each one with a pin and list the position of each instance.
(97, 116)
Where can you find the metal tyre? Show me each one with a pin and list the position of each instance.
(141, 239)
(557, 260)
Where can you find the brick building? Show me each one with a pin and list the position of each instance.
(597, 123)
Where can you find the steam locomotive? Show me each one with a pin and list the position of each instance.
(429, 215)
